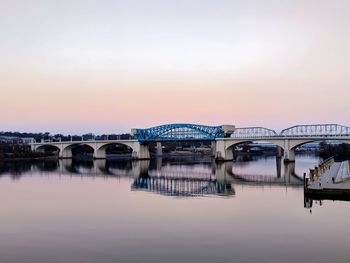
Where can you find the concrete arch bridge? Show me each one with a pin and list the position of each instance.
(64, 149)
(287, 141)
(224, 138)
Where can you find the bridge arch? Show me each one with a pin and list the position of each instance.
(67, 152)
(298, 143)
(101, 151)
(48, 148)
(171, 132)
(226, 150)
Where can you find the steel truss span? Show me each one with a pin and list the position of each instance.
(179, 132)
(253, 132)
(326, 130)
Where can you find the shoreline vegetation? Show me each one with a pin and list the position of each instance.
(27, 156)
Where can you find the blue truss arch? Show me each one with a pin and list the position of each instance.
(179, 132)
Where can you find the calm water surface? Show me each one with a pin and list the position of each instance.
(180, 210)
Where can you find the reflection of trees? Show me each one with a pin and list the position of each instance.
(14, 168)
(47, 165)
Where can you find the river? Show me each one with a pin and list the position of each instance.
(167, 210)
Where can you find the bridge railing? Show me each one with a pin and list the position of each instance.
(321, 168)
(253, 132)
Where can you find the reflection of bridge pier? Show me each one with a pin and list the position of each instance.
(140, 168)
(279, 166)
(133, 169)
(181, 181)
(289, 172)
(159, 163)
(213, 148)
(159, 150)
(218, 172)
(102, 167)
(223, 171)
(226, 171)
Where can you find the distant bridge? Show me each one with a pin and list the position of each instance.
(288, 140)
(224, 138)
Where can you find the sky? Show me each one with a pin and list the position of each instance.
(76, 66)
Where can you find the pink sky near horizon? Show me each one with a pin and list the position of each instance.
(108, 66)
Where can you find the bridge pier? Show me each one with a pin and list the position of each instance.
(289, 156)
(100, 153)
(289, 171)
(65, 154)
(140, 168)
(223, 171)
(289, 153)
(222, 153)
(140, 151)
(159, 150)
(159, 163)
(279, 151)
(213, 148)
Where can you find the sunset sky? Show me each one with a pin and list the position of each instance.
(74, 66)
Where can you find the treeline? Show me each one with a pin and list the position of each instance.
(339, 151)
(38, 137)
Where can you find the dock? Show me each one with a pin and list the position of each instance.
(330, 180)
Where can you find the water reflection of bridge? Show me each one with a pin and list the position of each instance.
(185, 186)
(225, 172)
(169, 177)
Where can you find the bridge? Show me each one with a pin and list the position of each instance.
(223, 139)
(287, 140)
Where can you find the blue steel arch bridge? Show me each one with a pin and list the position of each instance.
(176, 132)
